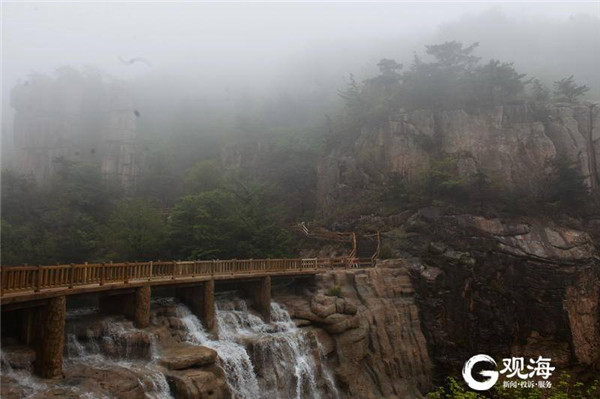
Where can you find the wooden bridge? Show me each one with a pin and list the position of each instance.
(33, 298)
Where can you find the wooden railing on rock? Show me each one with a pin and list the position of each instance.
(37, 278)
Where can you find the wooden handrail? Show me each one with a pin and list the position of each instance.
(38, 278)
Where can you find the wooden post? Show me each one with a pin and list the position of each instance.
(208, 306)
(102, 273)
(174, 269)
(126, 272)
(3, 282)
(141, 311)
(151, 270)
(72, 276)
(38, 283)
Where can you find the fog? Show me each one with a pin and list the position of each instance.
(224, 55)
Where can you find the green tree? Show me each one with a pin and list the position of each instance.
(496, 83)
(567, 90)
(444, 82)
(539, 91)
(227, 224)
(135, 231)
(567, 184)
(203, 176)
(453, 55)
(389, 76)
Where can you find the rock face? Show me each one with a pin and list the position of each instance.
(78, 117)
(184, 356)
(371, 333)
(198, 383)
(504, 288)
(18, 356)
(511, 144)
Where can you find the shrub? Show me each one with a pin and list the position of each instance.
(335, 291)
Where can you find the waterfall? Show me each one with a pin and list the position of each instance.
(27, 381)
(116, 335)
(261, 360)
(233, 357)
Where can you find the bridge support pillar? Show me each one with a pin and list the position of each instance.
(201, 301)
(51, 342)
(133, 305)
(141, 310)
(261, 297)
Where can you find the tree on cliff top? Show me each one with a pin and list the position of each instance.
(567, 185)
(496, 82)
(567, 89)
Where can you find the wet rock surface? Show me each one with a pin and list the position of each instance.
(371, 333)
(18, 356)
(184, 356)
(505, 287)
(205, 383)
(511, 143)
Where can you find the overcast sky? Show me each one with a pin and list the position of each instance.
(251, 46)
(42, 36)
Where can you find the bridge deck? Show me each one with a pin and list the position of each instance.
(30, 283)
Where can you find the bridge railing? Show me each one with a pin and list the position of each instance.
(36, 278)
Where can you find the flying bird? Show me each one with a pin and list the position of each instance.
(134, 60)
(137, 113)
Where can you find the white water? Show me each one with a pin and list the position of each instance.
(233, 357)
(91, 352)
(260, 360)
(27, 381)
(287, 368)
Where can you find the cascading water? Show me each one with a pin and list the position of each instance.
(261, 360)
(232, 356)
(114, 347)
(27, 381)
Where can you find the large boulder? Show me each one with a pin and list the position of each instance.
(205, 383)
(184, 356)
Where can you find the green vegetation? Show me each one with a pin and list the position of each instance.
(454, 78)
(228, 184)
(79, 218)
(566, 89)
(565, 388)
(335, 291)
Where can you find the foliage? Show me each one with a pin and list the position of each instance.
(442, 180)
(386, 252)
(567, 184)
(136, 231)
(539, 91)
(452, 79)
(496, 83)
(203, 176)
(223, 224)
(335, 291)
(55, 223)
(567, 90)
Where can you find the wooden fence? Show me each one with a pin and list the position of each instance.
(37, 278)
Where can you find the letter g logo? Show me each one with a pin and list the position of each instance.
(467, 373)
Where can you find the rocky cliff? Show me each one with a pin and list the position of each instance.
(504, 287)
(78, 117)
(489, 283)
(368, 326)
(512, 144)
